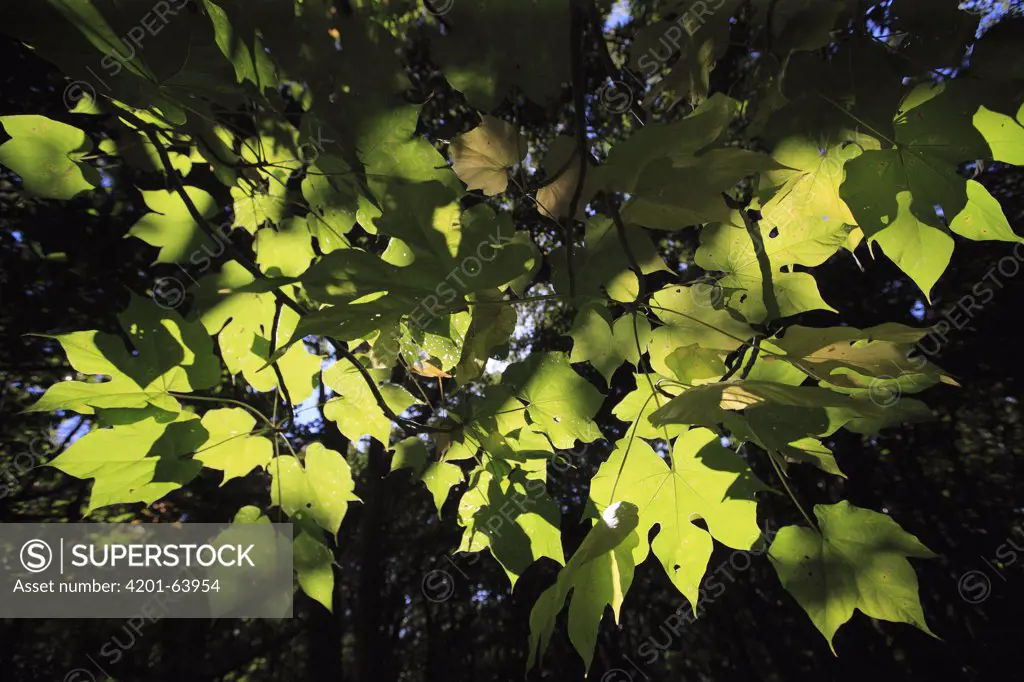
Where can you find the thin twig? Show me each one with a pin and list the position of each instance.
(282, 389)
(641, 286)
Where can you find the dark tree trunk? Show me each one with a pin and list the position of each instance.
(371, 654)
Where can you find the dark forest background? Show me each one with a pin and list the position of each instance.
(406, 608)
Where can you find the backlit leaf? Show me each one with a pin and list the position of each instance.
(482, 156)
(47, 155)
(858, 561)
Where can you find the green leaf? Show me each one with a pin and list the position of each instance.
(858, 561)
(284, 251)
(488, 422)
(250, 514)
(242, 322)
(172, 355)
(807, 189)
(320, 491)
(97, 353)
(851, 358)
(506, 255)
(640, 403)
(691, 321)
(230, 447)
(1004, 134)
(410, 453)
(475, 248)
(139, 152)
(355, 410)
(704, 481)
(95, 27)
(561, 403)
(727, 247)
(481, 54)
(678, 141)
(396, 157)
(441, 340)
(47, 155)
(314, 568)
(344, 276)
(171, 227)
(513, 516)
(438, 477)
(800, 25)
(783, 431)
(631, 335)
(135, 462)
(603, 262)
(426, 217)
(823, 410)
(599, 574)
(917, 248)
(562, 169)
(592, 340)
(330, 189)
(674, 193)
(256, 205)
(482, 156)
(491, 326)
(607, 345)
(893, 193)
(982, 218)
(232, 43)
(694, 365)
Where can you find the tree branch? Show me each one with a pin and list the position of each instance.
(597, 26)
(579, 92)
(277, 370)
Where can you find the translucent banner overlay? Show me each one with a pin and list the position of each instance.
(109, 570)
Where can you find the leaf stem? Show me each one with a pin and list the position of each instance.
(857, 119)
(789, 491)
(629, 445)
(737, 339)
(228, 401)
